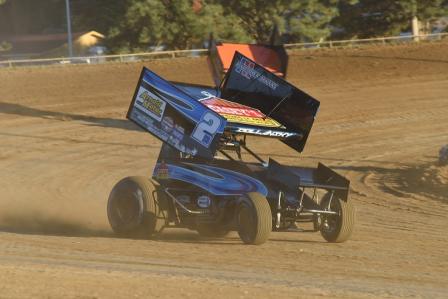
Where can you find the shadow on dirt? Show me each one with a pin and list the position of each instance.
(41, 226)
(79, 141)
(429, 180)
(17, 109)
(56, 228)
(49, 227)
(390, 58)
(400, 58)
(296, 241)
(191, 237)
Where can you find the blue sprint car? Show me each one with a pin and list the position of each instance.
(200, 180)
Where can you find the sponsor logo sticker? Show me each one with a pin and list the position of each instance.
(178, 132)
(247, 69)
(238, 113)
(150, 104)
(270, 133)
(162, 171)
(255, 121)
(167, 124)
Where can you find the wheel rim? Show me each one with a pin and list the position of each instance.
(127, 207)
(332, 223)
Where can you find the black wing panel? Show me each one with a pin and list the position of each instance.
(250, 84)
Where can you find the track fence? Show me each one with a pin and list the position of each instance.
(368, 41)
(202, 52)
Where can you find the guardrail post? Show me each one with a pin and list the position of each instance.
(121, 58)
(9, 63)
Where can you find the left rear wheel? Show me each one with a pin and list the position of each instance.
(136, 208)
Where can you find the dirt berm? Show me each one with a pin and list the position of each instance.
(64, 142)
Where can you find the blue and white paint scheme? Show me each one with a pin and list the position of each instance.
(217, 181)
(175, 117)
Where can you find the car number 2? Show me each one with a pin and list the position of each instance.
(206, 129)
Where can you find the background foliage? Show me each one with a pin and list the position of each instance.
(141, 25)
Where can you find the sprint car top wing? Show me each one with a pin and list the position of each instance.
(175, 117)
(249, 84)
(241, 119)
(272, 56)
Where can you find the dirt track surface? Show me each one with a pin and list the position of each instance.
(64, 143)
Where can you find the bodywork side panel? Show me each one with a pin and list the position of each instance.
(217, 181)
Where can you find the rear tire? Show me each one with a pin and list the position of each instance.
(136, 208)
(337, 228)
(254, 219)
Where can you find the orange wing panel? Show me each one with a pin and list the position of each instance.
(268, 58)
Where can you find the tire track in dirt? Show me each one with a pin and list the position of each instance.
(63, 148)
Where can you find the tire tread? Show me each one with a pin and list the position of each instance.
(263, 218)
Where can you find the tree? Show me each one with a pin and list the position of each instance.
(370, 18)
(4, 46)
(136, 25)
(224, 26)
(98, 15)
(301, 20)
(145, 23)
(310, 20)
(173, 24)
(256, 17)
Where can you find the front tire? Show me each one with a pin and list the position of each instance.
(254, 219)
(337, 228)
(135, 208)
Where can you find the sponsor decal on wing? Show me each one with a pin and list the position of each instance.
(246, 68)
(175, 117)
(241, 114)
(269, 133)
(150, 104)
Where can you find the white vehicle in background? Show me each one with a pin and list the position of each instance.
(443, 155)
